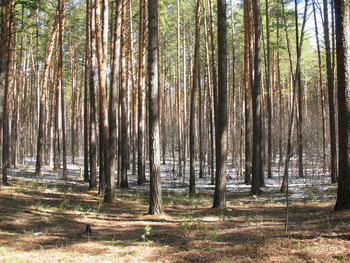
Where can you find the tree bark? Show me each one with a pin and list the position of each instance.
(256, 103)
(221, 114)
(141, 95)
(331, 107)
(124, 107)
(155, 204)
(342, 18)
(103, 125)
(195, 87)
(43, 98)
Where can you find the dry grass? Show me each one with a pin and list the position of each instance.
(42, 223)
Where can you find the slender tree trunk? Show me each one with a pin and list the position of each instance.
(247, 93)
(141, 82)
(256, 103)
(178, 86)
(322, 96)
(6, 55)
(155, 204)
(209, 84)
(86, 90)
(124, 106)
(60, 80)
(103, 125)
(268, 94)
(221, 114)
(113, 101)
(214, 72)
(93, 112)
(43, 98)
(195, 87)
(300, 93)
(330, 84)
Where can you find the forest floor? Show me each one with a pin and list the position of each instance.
(44, 219)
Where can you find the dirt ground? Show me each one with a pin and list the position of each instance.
(42, 222)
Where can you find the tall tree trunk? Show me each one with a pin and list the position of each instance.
(43, 98)
(6, 54)
(195, 87)
(86, 90)
(300, 93)
(93, 112)
(322, 96)
(113, 101)
(60, 80)
(178, 86)
(268, 94)
(256, 103)
(221, 114)
(141, 83)
(155, 204)
(330, 84)
(342, 18)
(103, 125)
(124, 106)
(247, 93)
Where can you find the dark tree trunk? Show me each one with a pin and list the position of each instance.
(247, 93)
(342, 18)
(103, 112)
(113, 101)
(155, 204)
(141, 95)
(330, 84)
(195, 87)
(86, 91)
(256, 103)
(221, 114)
(268, 94)
(124, 148)
(92, 125)
(6, 53)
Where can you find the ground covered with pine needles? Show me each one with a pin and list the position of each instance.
(42, 221)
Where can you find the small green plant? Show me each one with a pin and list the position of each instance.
(339, 257)
(113, 242)
(213, 234)
(39, 205)
(191, 225)
(85, 210)
(63, 205)
(311, 195)
(148, 229)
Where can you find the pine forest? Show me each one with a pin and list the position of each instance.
(175, 131)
